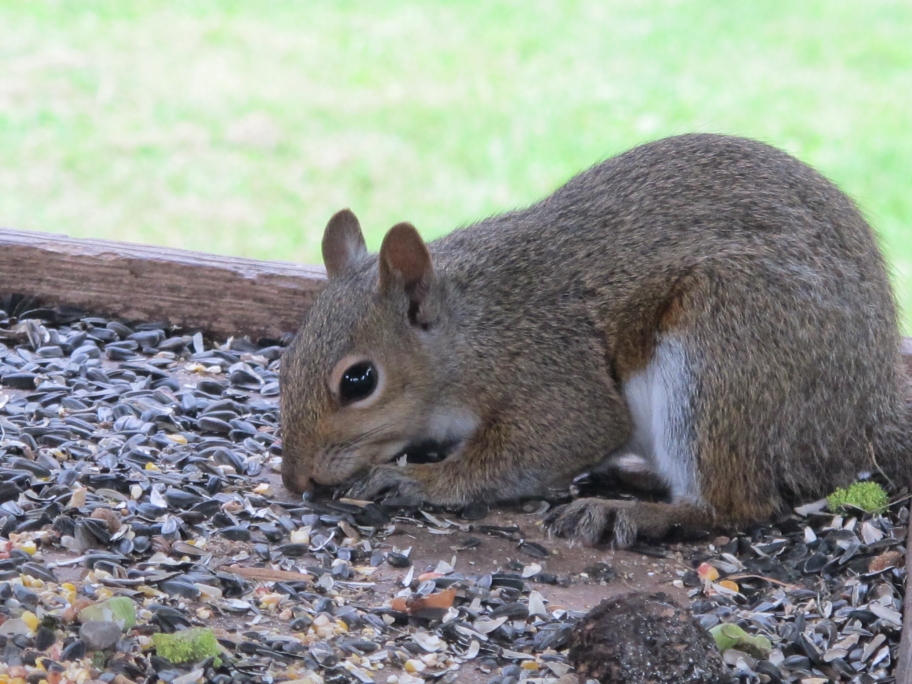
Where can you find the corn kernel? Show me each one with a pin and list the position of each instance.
(31, 582)
(28, 546)
(146, 590)
(707, 572)
(413, 666)
(300, 535)
(729, 584)
(270, 600)
(30, 619)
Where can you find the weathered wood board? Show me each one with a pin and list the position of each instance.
(222, 295)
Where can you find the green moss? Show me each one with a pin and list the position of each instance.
(187, 646)
(729, 635)
(868, 496)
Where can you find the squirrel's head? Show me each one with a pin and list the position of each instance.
(359, 384)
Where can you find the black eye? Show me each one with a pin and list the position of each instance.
(358, 382)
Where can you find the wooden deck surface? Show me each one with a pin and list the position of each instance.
(221, 295)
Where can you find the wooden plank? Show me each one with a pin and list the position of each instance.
(222, 295)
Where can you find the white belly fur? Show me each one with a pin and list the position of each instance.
(657, 397)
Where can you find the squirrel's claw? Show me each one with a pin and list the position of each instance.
(592, 520)
(388, 483)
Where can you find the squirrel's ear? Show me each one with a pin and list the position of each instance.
(406, 263)
(343, 243)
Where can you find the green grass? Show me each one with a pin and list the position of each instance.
(241, 127)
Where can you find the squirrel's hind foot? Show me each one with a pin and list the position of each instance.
(593, 521)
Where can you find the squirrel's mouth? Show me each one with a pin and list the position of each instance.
(428, 450)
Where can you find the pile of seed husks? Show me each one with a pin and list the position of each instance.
(133, 501)
(827, 590)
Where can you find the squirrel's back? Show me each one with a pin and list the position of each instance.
(762, 271)
(689, 197)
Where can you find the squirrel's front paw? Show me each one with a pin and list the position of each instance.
(593, 520)
(391, 484)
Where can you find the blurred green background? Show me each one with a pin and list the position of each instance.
(240, 127)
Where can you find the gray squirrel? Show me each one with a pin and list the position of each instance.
(705, 309)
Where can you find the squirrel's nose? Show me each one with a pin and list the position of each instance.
(296, 479)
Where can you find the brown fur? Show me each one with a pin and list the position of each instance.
(524, 328)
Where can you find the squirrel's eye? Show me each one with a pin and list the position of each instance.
(358, 382)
